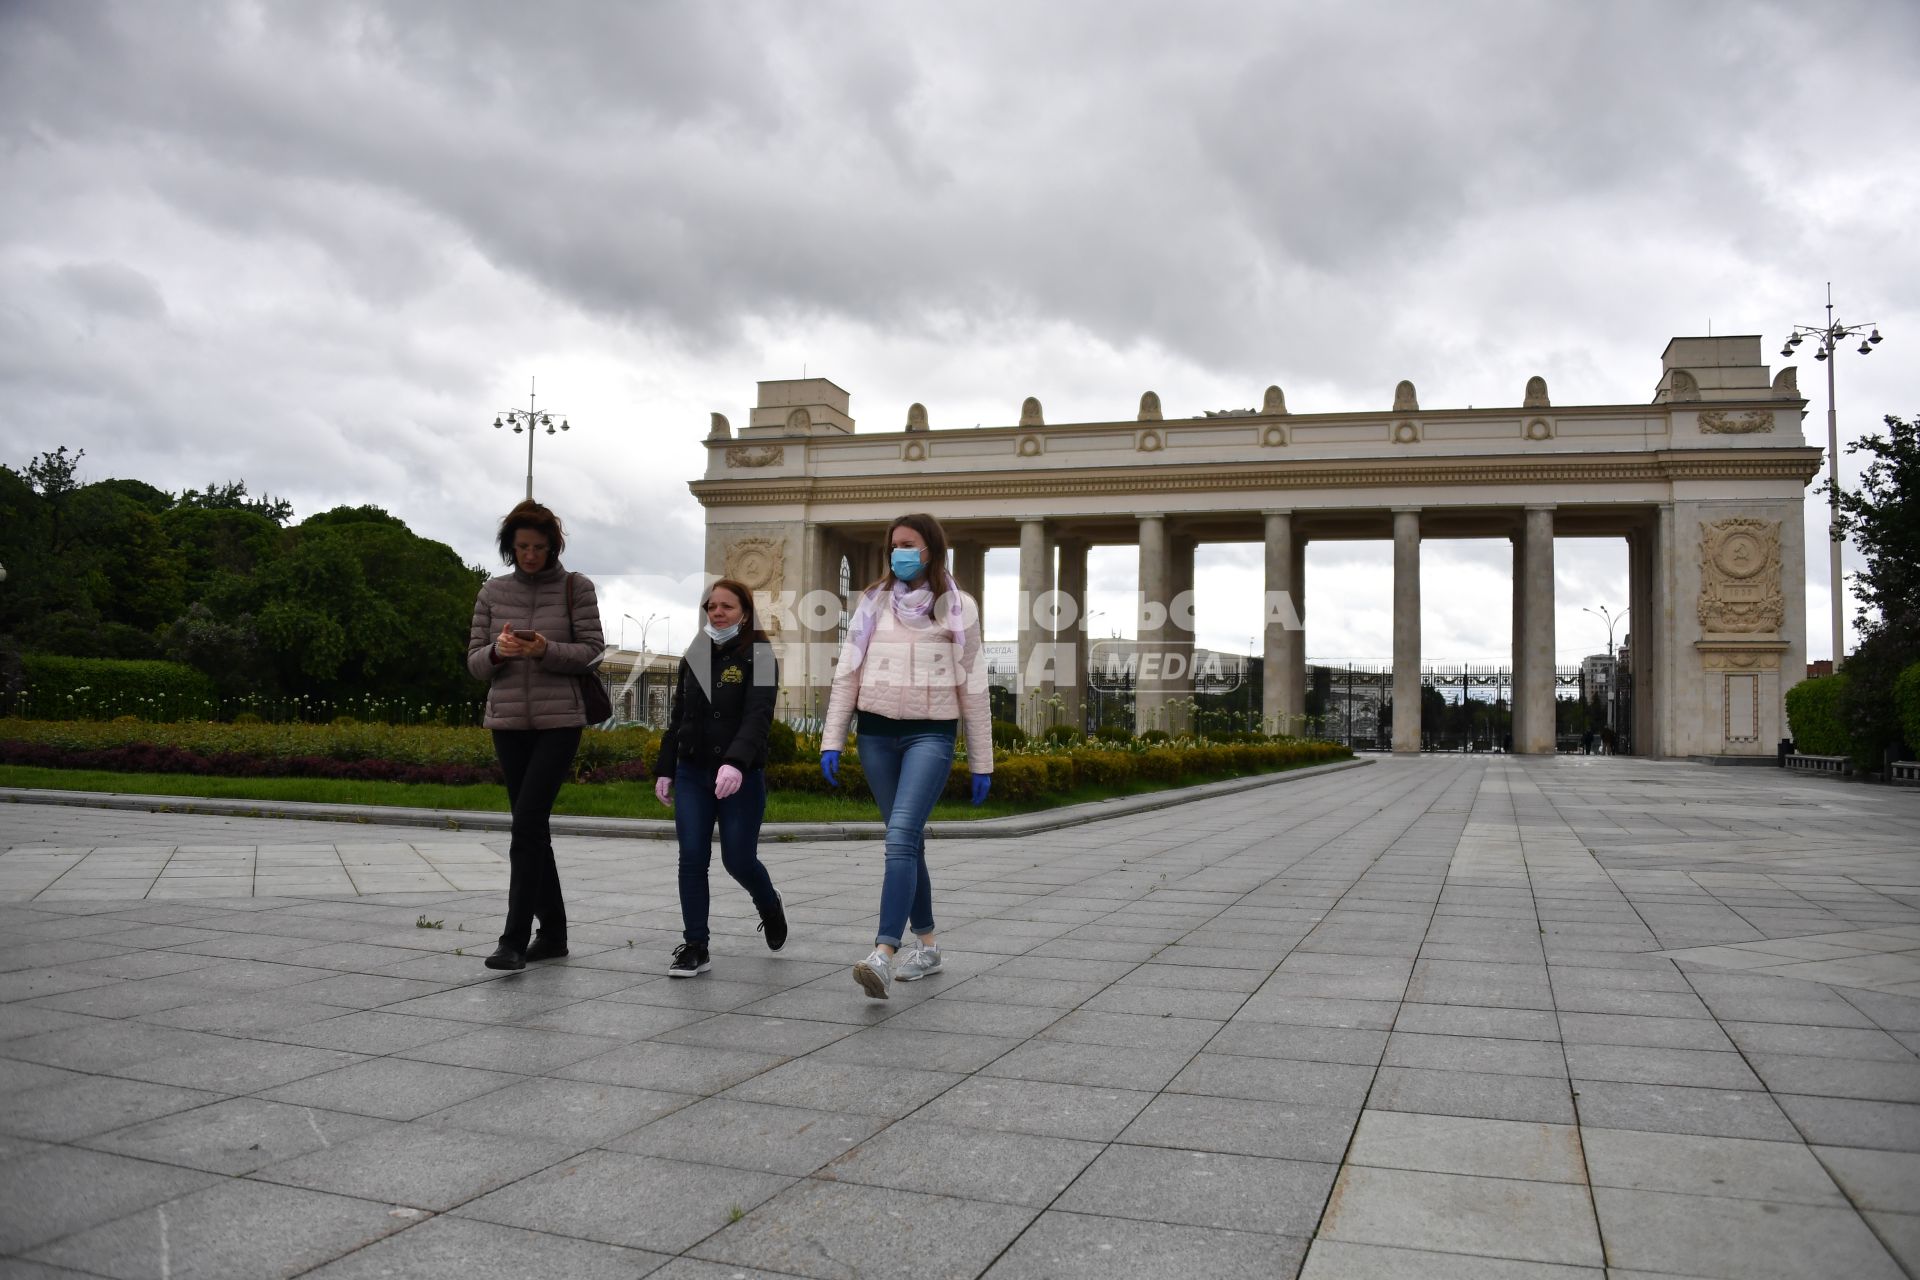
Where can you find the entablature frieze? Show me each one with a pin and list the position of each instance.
(1265, 475)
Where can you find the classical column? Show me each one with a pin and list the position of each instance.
(1406, 630)
(1031, 688)
(970, 569)
(1180, 632)
(1149, 700)
(1517, 655)
(1665, 601)
(1536, 734)
(1640, 632)
(1279, 641)
(1071, 683)
(1296, 708)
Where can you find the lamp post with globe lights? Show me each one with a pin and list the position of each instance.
(1829, 337)
(529, 421)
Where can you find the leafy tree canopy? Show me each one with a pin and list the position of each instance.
(348, 601)
(232, 496)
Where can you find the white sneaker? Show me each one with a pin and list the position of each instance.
(917, 963)
(874, 974)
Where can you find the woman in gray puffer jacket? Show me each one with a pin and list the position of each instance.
(531, 648)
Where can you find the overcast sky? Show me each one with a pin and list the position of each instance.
(318, 246)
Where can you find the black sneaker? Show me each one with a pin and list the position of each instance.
(505, 957)
(545, 948)
(689, 958)
(773, 923)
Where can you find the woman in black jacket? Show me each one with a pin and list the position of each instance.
(714, 754)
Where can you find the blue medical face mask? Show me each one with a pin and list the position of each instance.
(906, 563)
(720, 635)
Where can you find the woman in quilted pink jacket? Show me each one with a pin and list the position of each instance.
(911, 674)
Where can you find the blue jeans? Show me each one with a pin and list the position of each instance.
(907, 774)
(695, 810)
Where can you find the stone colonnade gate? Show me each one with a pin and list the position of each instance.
(1705, 483)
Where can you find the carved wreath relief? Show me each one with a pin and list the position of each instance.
(1718, 422)
(766, 455)
(1740, 577)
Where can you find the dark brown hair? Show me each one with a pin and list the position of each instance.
(749, 615)
(936, 558)
(531, 515)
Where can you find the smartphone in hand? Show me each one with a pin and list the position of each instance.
(528, 636)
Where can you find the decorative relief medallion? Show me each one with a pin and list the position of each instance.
(917, 417)
(718, 428)
(1683, 387)
(1150, 406)
(1539, 429)
(1029, 446)
(1406, 433)
(799, 420)
(1740, 577)
(1717, 422)
(1149, 442)
(1273, 437)
(914, 452)
(760, 563)
(766, 455)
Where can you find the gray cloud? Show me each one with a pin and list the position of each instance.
(319, 246)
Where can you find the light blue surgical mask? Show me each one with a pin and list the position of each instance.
(720, 635)
(906, 563)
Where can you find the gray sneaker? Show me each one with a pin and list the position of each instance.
(874, 974)
(917, 963)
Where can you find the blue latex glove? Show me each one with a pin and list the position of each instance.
(830, 767)
(981, 783)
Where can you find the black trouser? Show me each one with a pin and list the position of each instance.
(536, 762)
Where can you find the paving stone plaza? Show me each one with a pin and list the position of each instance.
(1437, 1017)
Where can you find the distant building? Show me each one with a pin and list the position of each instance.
(1820, 667)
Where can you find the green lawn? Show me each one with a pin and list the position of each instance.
(600, 800)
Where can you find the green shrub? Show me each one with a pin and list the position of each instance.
(1813, 716)
(1007, 734)
(59, 687)
(1154, 735)
(783, 744)
(1906, 698)
(1048, 769)
(246, 718)
(1062, 734)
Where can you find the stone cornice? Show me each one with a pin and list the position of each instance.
(1800, 464)
(1369, 417)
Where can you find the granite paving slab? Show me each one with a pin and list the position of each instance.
(1442, 1017)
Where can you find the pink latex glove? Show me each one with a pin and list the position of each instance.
(663, 791)
(726, 782)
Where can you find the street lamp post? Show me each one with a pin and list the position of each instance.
(1613, 670)
(529, 421)
(1830, 336)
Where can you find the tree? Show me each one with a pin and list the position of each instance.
(357, 603)
(51, 475)
(232, 496)
(1883, 518)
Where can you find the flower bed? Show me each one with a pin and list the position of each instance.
(453, 756)
(79, 744)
